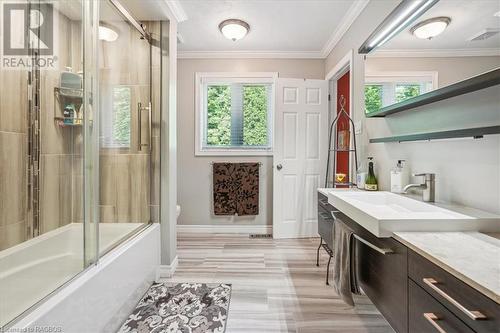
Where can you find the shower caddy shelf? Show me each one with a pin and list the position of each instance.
(335, 184)
(64, 96)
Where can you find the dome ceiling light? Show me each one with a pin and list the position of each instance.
(430, 28)
(234, 29)
(107, 34)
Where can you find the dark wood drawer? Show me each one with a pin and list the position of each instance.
(323, 202)
(383, 277)
(426, 315)
(325, 226)
(455, 295)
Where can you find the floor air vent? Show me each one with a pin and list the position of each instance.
(261, 236)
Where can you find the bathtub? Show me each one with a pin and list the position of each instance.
(34, 269)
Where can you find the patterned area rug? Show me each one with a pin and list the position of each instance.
(181, 308)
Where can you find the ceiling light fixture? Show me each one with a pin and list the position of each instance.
(430, 28)
(107, 34)
(404, 14)
(234, 29)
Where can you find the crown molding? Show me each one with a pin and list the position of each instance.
(433, 53)
(346, 22)
(350, 16)
(176, 10)
(249, 54)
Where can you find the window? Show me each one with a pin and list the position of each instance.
(234, 114)
(115, 125)
(387, 88)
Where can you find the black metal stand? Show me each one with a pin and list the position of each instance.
(330, 253)
(351, 149)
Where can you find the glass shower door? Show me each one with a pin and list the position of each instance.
(125, 128)
(44, 127)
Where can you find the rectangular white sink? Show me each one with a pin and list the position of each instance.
(383, 213)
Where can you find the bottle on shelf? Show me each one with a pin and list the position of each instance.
(343, 138)
(361, 176)
(399, 177)
(371, 183)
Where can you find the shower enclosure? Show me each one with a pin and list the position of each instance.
(79, 141)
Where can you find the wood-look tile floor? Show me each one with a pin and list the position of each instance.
(276, 285)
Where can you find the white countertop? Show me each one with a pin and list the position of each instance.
(472, 257)
(326, 190)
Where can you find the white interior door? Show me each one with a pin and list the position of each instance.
(300, 151)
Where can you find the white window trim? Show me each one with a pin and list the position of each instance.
(390, 79)
(406, 76)
(202, 78)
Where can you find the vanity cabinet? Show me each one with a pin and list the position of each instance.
(428, 315)
(412, 293)
(467, 304)
(325, 220)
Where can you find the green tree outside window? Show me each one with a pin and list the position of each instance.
(406, 91)
(218, 115)
(373, 97)
(255, 115)
(121, 115)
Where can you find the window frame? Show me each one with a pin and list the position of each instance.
(202, 80)
(390, 79)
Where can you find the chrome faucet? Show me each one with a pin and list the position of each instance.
(428, 187)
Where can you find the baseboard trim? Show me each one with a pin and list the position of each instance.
(167, 271)
(225, 229)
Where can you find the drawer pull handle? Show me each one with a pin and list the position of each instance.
(474, 315)
(432, 318)
(323, 202)
(325, 216)
(376, 248)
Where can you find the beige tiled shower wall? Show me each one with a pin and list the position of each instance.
(60, 159)
(61, 147)
(13, 141)
(129, 178)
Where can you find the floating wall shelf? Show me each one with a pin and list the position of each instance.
(475, 133)
(475, 83)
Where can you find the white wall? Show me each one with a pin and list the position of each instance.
(194, 176)
(450, 70)
(467, 171)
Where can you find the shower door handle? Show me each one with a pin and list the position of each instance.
(150, 125)
(141, 108)
(139, 125)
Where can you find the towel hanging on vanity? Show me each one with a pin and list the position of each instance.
(344, 274)
(236, 188)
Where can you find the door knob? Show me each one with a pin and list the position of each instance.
(279, 167)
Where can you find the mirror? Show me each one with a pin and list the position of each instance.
(452, 41)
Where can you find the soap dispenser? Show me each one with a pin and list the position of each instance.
(399, 177)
